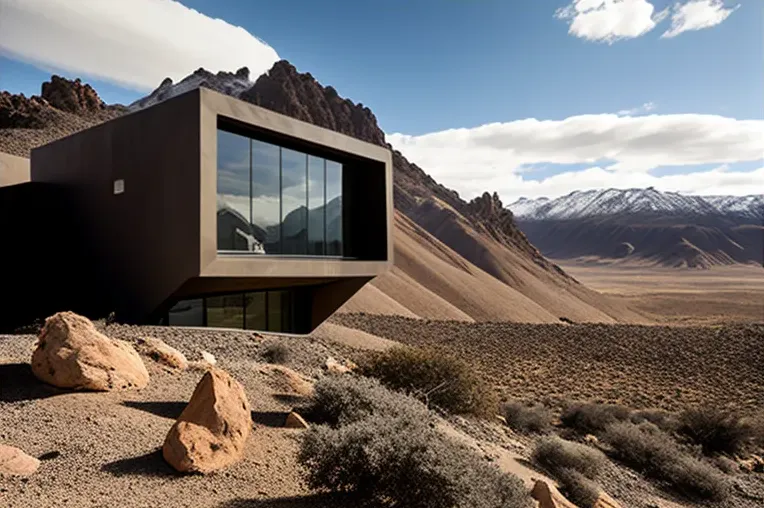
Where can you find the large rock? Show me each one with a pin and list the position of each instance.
(71, 353)
(160, 351)
(211, 431)
(549, 497)
(15, 462)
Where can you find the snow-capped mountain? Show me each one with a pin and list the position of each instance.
(224, 82)
(597, 203)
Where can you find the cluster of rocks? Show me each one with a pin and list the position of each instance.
(210, 433)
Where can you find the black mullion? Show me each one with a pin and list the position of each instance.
(325, 247)
(251, 212)
(307, 207)
(281, 202)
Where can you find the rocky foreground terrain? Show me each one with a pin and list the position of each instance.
(105, 448)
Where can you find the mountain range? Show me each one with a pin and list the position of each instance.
(454, 259)
(646, 226)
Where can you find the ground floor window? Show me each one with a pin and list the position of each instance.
(286, 311)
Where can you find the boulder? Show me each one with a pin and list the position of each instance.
(15, 462)
(212, 430)
(163, 353)
(71, 353)
(548, 496)
(295, 421)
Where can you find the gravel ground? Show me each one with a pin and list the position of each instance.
(639, 366)
(104, 448)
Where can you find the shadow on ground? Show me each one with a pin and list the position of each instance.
(149, 464)
(269, 418)
(309, 501)
(17, 384)
(165, 409)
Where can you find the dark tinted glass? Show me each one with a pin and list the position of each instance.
(187, 313)
(333, 208)
(233, 203)
(226, 311)
(294, 201)
(266, 197)
(256, 317)
(316, 209)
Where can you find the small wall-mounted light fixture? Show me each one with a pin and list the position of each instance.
(119, 186)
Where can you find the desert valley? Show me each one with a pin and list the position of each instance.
(606, 336)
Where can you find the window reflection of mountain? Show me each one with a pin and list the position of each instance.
(324, 228)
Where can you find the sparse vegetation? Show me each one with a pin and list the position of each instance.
(648, 449)
(664, 420)
(593, 418)
(381, 448)
(575, 466)
(434, 377)
(339, 400)
(527, 418)
(579, 489)
(558, 456)
(716, 431)
(277, 353)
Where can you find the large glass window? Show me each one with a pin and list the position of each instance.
(333, 208)
(286, 311)
(266, 200)
(187, 313)
(225, 311)
(273, 200)
(234, 230)
(316, 208)
(294, 196)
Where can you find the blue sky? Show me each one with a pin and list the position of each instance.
(427, 67)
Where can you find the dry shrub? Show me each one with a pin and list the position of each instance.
(593, 418)
(277, 353)
(434, 377)
(664, 420)
(579, 489)
(381, 449)
(527, 418)
(653, 452)
(339, 400)
(559, 456)
(716, 430)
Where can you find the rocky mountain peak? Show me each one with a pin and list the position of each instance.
(285, 90)
(71, 96)
(20, 112)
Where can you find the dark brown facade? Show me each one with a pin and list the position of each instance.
(123, 217)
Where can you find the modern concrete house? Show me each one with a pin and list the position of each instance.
(203, 210)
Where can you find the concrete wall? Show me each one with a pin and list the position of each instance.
(13, 169)
(145, 238)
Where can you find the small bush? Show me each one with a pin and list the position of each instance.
(559, 456)
(579, 489)
(400, 460)
(527, 418)
(436, 378)
(343, 399)
(277, 353)
(656, 454)
(593, 418)
(716, 431)
(664, 420)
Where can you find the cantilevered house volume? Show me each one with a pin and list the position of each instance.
(203, 210)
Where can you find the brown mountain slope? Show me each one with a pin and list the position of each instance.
(677, 241)
(454, 259)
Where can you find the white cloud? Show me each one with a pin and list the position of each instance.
(621, 150)
(610, 20)
(644, 108)
(134, 43)
(697, 15)
(718, 181)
